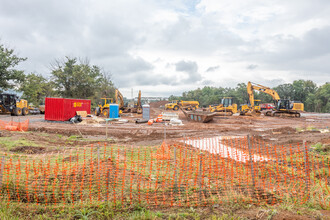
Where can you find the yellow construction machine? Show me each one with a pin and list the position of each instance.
(247, 109)
(226, 107)
(103, 107)
(133, 107)
(10, 103)
(185, 105)
(283, 107)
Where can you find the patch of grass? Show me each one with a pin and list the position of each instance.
(43, 134)
(311, 128)
(74, 138)
(9, 142)
(321, 148)
(85, 214)
(271, 214)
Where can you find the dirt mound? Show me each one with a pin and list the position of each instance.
(285, 130)
(28, 149)
(157, 104)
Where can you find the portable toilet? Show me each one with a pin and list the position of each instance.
(113, 111)
(146, 111)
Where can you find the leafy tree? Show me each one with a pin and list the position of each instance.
(172, 97)
(241, 95)
(76, 80)
(322, 98)
(105, 88)
(285, 91)
(35, 88)
(9, 76)
(302, 88)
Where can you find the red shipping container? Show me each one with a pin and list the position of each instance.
(60, 109)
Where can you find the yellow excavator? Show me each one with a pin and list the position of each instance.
(283, 107)
(103, 107)
(134, 108)
(226, 107)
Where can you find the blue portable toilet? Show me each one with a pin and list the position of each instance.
(146, 111)
(113, 111)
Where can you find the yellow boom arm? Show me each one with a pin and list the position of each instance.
(119, 99)
(253, 86)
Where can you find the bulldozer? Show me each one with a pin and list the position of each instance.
(185, 105)
(103, 107)
(10, 103)
(132, 107)
(247, 109)
(226, 107)
(283, 107)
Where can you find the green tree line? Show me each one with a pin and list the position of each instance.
(68, 78)
(315, 98)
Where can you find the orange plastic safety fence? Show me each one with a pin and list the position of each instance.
(14, 126)
(191, 172)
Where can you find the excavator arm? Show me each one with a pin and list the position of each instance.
(139, 104)
(249, 89)
(264, 89)
(119, 99)
(139, 100)
(254, 86)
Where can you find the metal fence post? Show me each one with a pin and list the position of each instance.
(98, 157)
(2, 169)
(200, 174)
(251, 162)
(306, 168)
(175, 170)
(106, 129)
(165, 132)
(108, 180)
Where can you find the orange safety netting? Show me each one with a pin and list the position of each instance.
(193, 172)
(14, 126)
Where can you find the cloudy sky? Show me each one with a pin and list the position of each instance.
(166, 47)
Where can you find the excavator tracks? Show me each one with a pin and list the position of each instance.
(283, 114)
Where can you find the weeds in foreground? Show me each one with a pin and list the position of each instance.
(85, 214)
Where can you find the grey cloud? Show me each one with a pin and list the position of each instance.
(146, 78)
(191, 68)
(311, 53)
(209, 37)
(212, 68)
(186, 66)
(109, 33)
(231, 82)
(207, 82)
(251, 66)
(272, 82)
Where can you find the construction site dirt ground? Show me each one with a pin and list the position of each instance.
(312, 128)
(46, 137)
